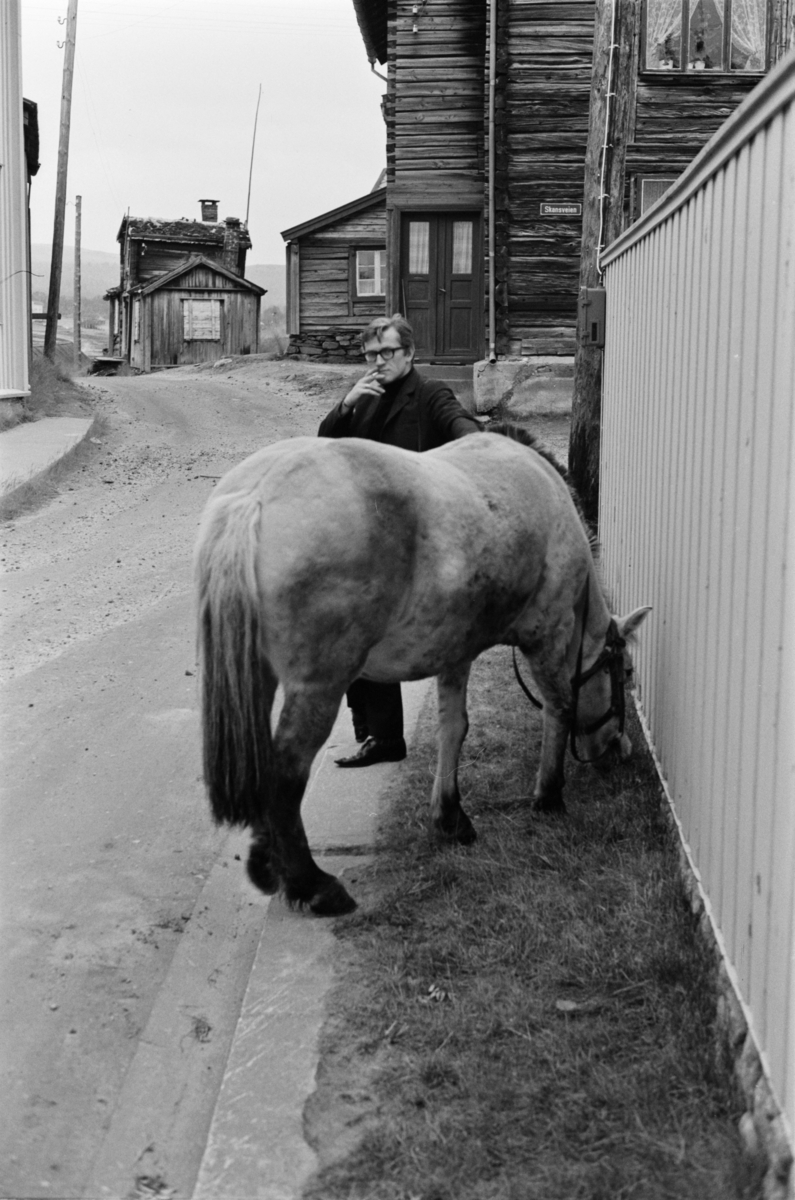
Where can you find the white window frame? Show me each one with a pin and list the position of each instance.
(379, 272)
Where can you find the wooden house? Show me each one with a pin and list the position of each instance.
(488, 116)
(336, 277)
(183, 297)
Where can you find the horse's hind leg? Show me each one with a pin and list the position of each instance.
(304, 724)
(449, 822)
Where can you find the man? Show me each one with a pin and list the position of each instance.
(391, 403)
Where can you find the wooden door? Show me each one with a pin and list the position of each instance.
(441, 290)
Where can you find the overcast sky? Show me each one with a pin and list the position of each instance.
(163, 105)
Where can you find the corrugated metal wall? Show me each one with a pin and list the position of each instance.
(14, 302)
(697, 518)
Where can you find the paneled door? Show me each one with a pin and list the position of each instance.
(441, 289)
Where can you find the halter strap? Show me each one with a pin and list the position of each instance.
(612, 656)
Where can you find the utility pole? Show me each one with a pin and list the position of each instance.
(76, 306)
(54, 299)
(613, 84)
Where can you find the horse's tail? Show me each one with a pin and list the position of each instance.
(237, 681)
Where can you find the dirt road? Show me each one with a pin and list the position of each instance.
(106, 839)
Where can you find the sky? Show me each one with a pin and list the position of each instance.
(163, 107)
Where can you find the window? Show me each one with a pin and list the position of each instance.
(419, 254)
(370, 272)
(201, 320)
(650, 188)
(706, 35)
(462, 247)
(136, 320)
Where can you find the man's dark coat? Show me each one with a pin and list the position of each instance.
(424, 414)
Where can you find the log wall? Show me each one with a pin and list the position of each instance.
(673, 117)
(544, 53)
(434, 106)
(330, 315)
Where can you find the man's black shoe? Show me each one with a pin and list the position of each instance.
(375, 750)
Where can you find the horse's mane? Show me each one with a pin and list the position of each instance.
(518, 433)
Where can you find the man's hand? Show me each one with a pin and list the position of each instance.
(369, 387)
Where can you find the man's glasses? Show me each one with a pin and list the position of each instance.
(386, 352)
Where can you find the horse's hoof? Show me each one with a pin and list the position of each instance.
(458, 829)
(260, 871)
(322, 894)
(551, 803)
(332, 901)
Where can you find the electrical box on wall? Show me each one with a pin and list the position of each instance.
(593, 302)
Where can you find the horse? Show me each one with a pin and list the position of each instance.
(319, 561)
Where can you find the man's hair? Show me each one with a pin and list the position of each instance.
(378, 327)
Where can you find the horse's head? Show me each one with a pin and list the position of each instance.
(599, 694)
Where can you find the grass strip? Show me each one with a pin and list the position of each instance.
(532, 1018)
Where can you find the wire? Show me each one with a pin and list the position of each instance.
(606, 145)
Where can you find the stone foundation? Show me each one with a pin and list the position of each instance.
(330, 345)
(525, 386)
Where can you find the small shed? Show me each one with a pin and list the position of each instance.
(198, 312)
(182, 296)
(336, 277)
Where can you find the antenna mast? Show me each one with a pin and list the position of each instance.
(253, 142)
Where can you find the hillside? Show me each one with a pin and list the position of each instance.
(99, 271)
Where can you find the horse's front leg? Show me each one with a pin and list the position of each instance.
(553, 684)
(304, 724)
(449, 822)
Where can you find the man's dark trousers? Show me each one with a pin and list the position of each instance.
(380, 705)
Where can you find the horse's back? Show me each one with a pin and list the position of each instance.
(408, 560)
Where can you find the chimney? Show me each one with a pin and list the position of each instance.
(209, 210)
(232, 236)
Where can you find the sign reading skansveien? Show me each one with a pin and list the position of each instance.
(560, 208)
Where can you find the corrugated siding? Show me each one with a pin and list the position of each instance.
(697, 518)
(14, 302)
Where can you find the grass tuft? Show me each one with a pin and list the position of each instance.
(531, 1017)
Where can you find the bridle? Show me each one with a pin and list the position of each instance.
(611, 656)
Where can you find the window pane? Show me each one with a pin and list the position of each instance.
(705, 42)
(365, 272)
(663, 35)
(370, 272)
(462, 247)
(652, 189)
(418, 247)
(749, 18)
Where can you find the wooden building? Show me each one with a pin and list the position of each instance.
(336, 277)
(15, 170)
(182, 296)
(198, 312)
(487, 123)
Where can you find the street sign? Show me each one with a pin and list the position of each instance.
(560, 208)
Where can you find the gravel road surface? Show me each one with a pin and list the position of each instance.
(106, 838)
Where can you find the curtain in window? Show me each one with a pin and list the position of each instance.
(664, 20)
(462, 247)
(419, 232)
(748, 34)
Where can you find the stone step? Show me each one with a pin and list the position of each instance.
(525, 387)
